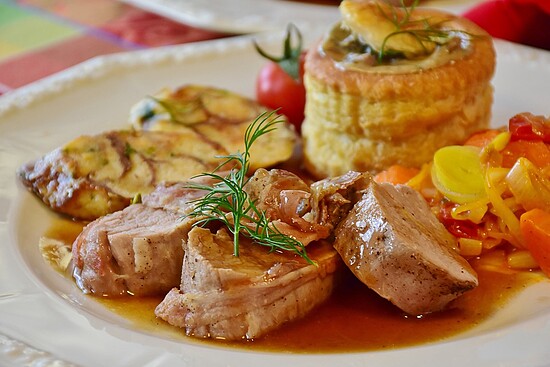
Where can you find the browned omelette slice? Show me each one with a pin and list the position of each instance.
(95, 175)
(219, 116)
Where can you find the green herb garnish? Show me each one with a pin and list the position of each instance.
(226, 201)
(289, 61)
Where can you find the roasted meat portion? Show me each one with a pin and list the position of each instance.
(135, 251)
(286, 201)
(305, 212)
(223, 296)
(332, 198)
(394, 244)
(138, 250)
(95, 175)
(178, 196)
(217, 115)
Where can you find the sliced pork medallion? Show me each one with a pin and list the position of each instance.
(95, 175)
(223, 296)
(178, 196)
(395, 245)
(136, 251)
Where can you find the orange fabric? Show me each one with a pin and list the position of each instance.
(41, 37)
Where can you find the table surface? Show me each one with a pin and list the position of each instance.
(41, 37)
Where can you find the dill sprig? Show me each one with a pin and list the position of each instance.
(227, 202)
(422, 30)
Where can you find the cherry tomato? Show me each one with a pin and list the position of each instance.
(279, 84)
(278, 90)
(526, 126)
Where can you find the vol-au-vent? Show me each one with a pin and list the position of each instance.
(391, 85)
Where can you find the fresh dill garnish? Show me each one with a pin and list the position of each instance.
(422, 30)
(228, 202)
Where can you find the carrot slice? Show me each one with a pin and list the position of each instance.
(535, 228)
(536, 151)
(482, 138)
(396, 174)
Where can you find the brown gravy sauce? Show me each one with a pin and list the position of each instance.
(354, 319)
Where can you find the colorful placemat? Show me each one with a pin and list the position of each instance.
(41, 37)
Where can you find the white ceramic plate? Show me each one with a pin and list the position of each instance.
(247, 16)
(241, 16)
(45, 320)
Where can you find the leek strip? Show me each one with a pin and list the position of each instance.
(419, 180)
(503, 211)
(495, 146)
(470, 247)
(522, 259)
(473, 212)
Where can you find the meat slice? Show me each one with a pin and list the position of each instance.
(223, 296)
(286, 201)
(306, 213)
(332, 198)
(394, 244)
(136, 251)
(178, 196)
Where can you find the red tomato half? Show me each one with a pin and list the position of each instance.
(526, 126)
(278, 90)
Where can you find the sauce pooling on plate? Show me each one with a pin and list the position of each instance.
(354, 319)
